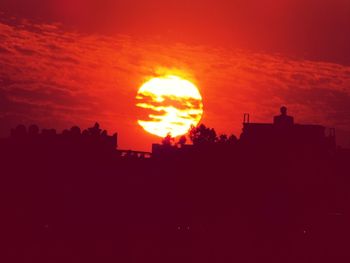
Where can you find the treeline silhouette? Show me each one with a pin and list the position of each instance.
(201, 135)
(70, 138)
(72, 197)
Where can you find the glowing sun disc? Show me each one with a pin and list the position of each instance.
(173, 104)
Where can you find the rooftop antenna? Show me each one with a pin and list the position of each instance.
(246, 118)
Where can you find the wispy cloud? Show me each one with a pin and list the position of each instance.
(58, 78)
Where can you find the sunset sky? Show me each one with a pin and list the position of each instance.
(74, 62)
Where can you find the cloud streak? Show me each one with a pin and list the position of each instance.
(58, 78)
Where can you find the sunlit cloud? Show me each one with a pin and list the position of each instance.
(59, 78)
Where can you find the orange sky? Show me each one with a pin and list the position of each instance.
(74, 62)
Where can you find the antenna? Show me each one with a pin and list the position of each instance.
(246, 118)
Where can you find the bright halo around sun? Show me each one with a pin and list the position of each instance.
(173, 105)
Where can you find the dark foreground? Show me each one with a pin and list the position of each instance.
(206, 205)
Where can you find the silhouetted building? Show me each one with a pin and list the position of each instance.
(90, 140)
(129, 154)
(163, 150)
(284, 134)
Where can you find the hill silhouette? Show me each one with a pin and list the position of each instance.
(278, 193)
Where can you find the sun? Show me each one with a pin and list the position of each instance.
(172, 104)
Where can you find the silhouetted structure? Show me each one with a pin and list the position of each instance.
(278, 194)
(93, 140)
(285, 136)
(282, 136)
(134, 154)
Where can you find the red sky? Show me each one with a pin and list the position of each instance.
(67, 63)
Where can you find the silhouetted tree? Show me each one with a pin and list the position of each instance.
(48, 132)
(95, 130)
(33, 130)
(65, 133)
(222, 138)
(75, 131)
(19, 132)
(202, 135)
(232, 139)
(168, 140)
(182, 141)
(104, 133)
